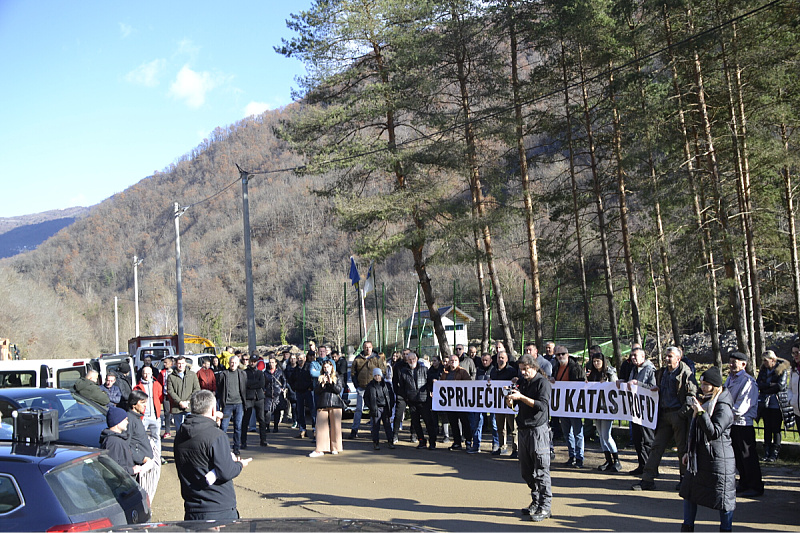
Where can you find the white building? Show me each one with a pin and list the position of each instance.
(420, 327)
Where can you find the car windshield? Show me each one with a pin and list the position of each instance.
(90, 484)
(70, 406)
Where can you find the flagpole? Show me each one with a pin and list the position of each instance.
(363, 313)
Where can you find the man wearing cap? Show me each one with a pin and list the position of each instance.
(115, 438)
(533, 399)
(206, 467)
(744, 391)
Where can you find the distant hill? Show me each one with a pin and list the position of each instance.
(27, 232)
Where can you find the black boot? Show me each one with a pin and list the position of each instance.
(616, 466)
(687, 527)
(605, 466)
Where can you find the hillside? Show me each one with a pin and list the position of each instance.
(22, 233)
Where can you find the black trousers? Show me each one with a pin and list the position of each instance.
(258, 405)
(399, 411)
(743, 439)
(421, 412)
(463, 433)
(642, 441)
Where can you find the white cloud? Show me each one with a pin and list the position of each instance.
(186, 47)
(192, 86)
(147, 73)
(125, 30)
(255, 108)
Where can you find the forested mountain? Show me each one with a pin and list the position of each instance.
(573, 170)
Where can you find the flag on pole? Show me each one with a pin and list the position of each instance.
(354, 276)
(369, 283)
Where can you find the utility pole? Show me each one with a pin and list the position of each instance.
(179, 286)
(136, 263)
(248, 266)
(116, 321)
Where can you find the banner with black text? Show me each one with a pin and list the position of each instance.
(569, 399)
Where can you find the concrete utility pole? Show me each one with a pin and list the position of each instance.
(248, 266)
(116, 321)
(178, 212)
(136, 263)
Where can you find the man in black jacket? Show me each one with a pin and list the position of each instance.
(254, 400)
(303, 386)
(413, 383)
(567, 368)
(205, 466)
(231, 391)
(505, 422)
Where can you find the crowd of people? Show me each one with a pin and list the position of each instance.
(710, 421)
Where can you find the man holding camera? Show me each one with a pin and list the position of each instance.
(533, 399)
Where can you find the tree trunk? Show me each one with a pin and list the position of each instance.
(789, 193)
(601, 216)
(623, 216)
(587, 328)
(485, 334)
(533, 254)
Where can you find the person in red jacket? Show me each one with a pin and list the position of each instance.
(206, 377)
(155, 398)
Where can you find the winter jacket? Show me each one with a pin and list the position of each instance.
(713, 484)
(139, 441)
(255, 386)
(361, 369)
(507, 373)
(414, 385)
(124, 385)
(118, 446)
(468, 364)
(773, 389)
(90, 390)
(687, 387)
(200, 447)
(180, 389)
(114, 394)
(610, 374)
(377, 395)
(207, 379)
(794, 390)
(328, 396)
(300, 379)
(574, 370)
(158, 395)
(223, 384)
(645, 375)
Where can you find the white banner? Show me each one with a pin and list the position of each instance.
(569, 399)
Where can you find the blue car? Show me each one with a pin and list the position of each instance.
(80, 421)
(49, 487)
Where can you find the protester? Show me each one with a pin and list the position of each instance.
(115, 439)
(289, 368)
(162, 378)
(478, 419)
(231, 396)
(773, 402)
(181, 384)
(123, 373)
(567, 368)
(505, 422)
(303, 386)
(454, 372)
(600, 371)
(206, 467)
(88, 388)
(710, 478)
(254, 402)
(361, 372)
(399, 362)
(155, 397)
(274, 400)
(642, 374)
(110, 388)
(378, 398)
(744, 391)
(794, 385)
(328, 390)
(533, 399)
(206, 376)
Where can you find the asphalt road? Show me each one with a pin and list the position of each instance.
(454, 491)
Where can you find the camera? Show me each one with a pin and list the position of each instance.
(509, 389)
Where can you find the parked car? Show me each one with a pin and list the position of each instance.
(80, 421)
(50, 487)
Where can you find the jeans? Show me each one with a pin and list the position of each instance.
(573, 431)
(477, 421)
(359, 409)
(177, 420)
(152, 426)
(604, 432)
(235, 411)
(690, 512)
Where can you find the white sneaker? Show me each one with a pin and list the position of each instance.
(316, 454)
(335, 452)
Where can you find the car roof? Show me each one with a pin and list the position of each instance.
(14, 393)
(46, 455)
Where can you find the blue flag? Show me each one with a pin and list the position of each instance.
(354, 277)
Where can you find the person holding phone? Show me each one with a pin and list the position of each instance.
(328, 395)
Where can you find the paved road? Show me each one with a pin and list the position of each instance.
(453, 491)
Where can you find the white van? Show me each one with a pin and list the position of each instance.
(46, 373)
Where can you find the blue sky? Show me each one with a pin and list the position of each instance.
(97, 95)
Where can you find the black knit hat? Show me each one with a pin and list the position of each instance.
(712, 376)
